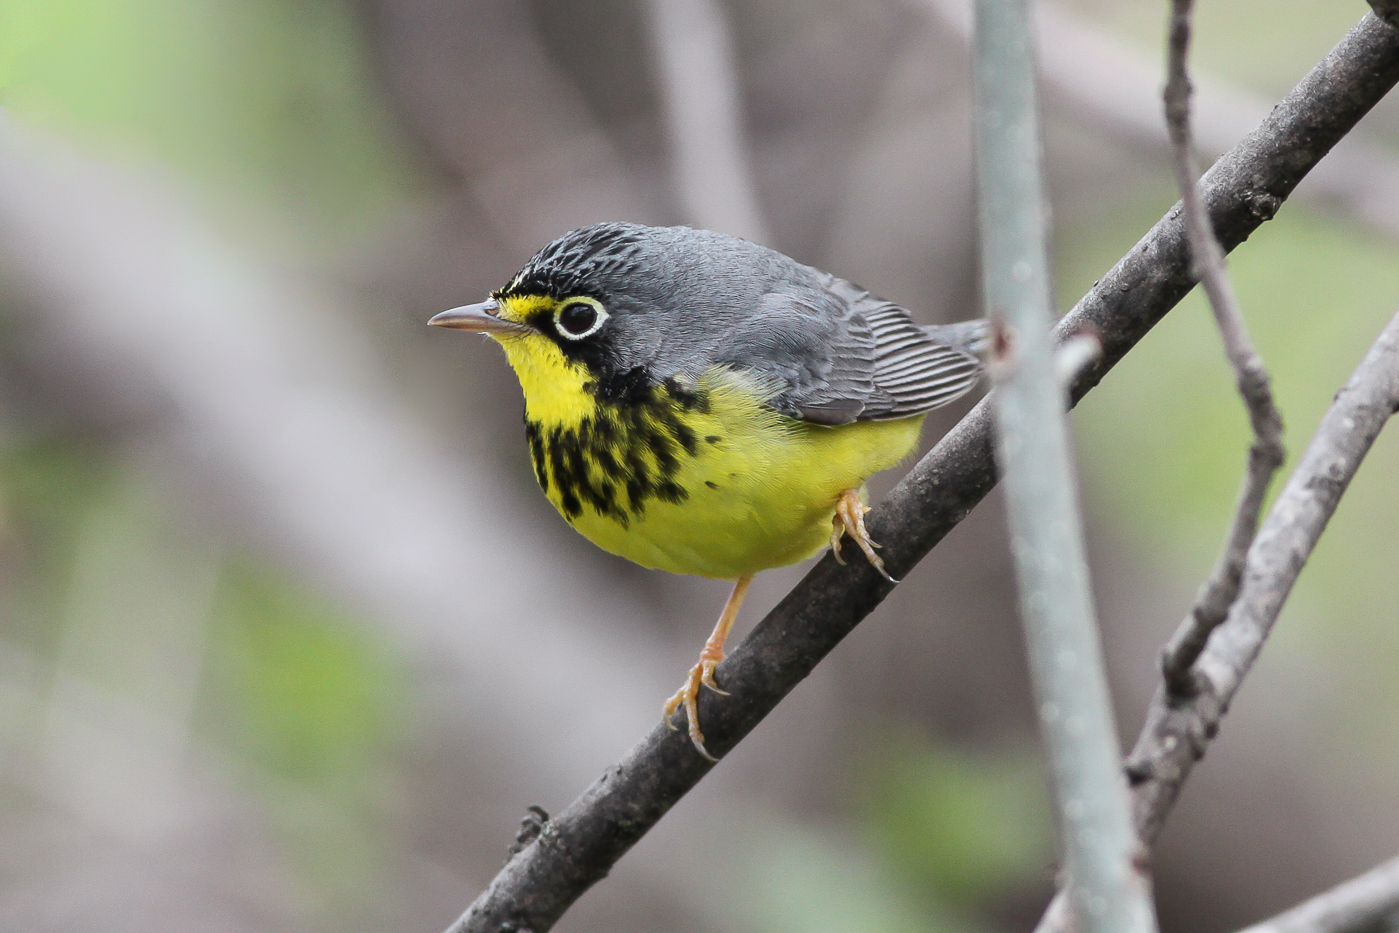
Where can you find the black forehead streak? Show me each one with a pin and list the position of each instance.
(581, 263)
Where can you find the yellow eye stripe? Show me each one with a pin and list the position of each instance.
(524, 308)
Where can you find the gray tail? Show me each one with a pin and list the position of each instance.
(972, 337)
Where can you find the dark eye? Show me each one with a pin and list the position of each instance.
(578, 319)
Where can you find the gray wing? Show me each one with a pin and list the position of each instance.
(838, 354)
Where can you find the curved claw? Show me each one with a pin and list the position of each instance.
(707, 676)
(669, 707)
(688, 697)
(837, 532)
(702, 674)
(849, 519)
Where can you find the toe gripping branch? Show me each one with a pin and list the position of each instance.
(849, 519)
(702, 674)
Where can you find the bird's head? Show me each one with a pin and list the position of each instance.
(612, 309)
(568, 300)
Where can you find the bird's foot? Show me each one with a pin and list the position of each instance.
(850, 519)
(701, 675)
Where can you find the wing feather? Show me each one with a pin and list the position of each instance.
(917, 371)
(837, 354)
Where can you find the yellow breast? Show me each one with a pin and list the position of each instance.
(700, 479)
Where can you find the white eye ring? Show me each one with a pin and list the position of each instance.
(598, 321)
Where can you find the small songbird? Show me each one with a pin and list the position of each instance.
(701, 404)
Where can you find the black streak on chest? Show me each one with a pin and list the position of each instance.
(620, 458)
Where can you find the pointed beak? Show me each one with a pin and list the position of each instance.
(483, 317)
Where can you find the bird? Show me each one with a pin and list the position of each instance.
(702, 404)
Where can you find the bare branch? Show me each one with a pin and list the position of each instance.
(1243, 190)
(1354, 906)
(1177, 730)
(1266, 454)
(1101, 852)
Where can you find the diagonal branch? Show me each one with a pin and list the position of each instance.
(1266, 453)
(1359, 905)
(1244, 189)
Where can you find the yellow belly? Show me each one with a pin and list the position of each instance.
(759, 489)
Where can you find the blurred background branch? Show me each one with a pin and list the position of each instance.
(1115, 88)
(1361, 904)
(703, 112)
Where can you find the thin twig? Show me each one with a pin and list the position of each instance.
(1177, 732)
(1357, 905)
(1244, 189)
(1102, 855)
(1266, 453)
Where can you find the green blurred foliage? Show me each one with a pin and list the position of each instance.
(1167, 442)
(268, 110)
(967, 828)
(310, 690)
(264, 99)
(312, 702)
(807, 882)
(1285, 38)
(48, 483)
(105, 580)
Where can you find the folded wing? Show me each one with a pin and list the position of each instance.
(838, 354)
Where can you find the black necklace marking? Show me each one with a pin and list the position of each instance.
(621, 457)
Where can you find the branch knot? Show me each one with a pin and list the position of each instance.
(534, 824)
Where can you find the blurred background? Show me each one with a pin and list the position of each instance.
(288, 638)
